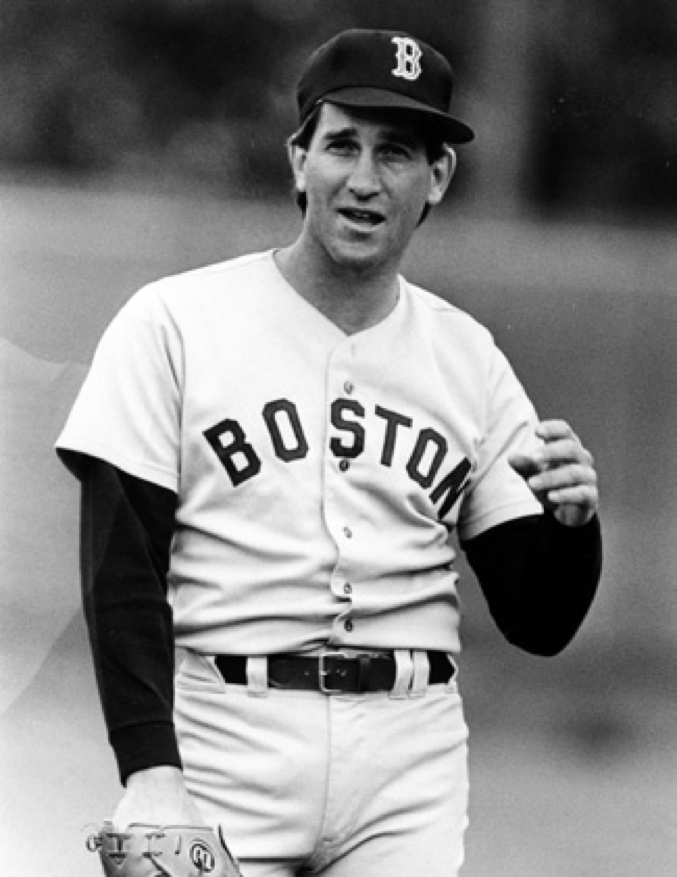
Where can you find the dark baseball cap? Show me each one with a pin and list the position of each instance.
(382, 69)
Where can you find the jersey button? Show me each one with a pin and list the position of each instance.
(344, 465)
(349, 386)
(347, 532)
(347, 588)
(348, 626)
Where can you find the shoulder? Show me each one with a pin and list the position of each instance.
(457, 341)
(250, 263)
(445, 319)
(162, 310)
(221, 277)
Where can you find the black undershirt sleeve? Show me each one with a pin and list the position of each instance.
(539, 578)
(126, 531)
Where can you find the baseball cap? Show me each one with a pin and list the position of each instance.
(382, 69)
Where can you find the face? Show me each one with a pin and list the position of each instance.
(367, 179)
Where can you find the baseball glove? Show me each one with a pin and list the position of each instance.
(163, 851)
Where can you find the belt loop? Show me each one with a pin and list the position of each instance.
(404, 669)
(257, 676)
(419, 682)
(452, 684)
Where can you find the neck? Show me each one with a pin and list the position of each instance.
(353, 299)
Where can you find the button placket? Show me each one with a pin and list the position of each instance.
(339, 499)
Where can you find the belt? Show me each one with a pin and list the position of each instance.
(332, 672)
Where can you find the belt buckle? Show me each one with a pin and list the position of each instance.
(323, 672)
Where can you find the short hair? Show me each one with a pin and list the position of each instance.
(433, 141)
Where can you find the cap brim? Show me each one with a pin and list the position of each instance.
(378, 98)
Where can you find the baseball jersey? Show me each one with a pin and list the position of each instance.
(319, 475)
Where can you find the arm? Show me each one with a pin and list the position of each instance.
(127, 527)
(539, 578)
(540, 574)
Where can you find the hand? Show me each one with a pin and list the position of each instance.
(561, 474)
(157, 796)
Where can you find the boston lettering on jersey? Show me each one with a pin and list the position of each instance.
(239, 458)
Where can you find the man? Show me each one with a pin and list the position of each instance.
(274, 452)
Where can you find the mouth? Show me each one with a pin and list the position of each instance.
(361, 218)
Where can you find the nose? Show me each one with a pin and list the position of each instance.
(364, 180)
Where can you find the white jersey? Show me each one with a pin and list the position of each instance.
(319, 474)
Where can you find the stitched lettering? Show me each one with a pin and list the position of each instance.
(408, 58)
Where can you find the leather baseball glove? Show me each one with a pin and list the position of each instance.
(163, 851)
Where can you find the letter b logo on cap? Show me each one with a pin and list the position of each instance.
(408, 58)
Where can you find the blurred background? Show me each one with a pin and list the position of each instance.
(138, 139)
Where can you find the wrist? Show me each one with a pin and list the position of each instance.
(158, 775)
(577, 521)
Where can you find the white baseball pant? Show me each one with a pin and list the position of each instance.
(302, 783)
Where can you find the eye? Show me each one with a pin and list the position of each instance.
(341, 146)
(396, 151)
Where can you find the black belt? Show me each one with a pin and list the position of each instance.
(332, 672)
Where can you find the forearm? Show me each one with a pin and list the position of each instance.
(539, 578)
(126, 533)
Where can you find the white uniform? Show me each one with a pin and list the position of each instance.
(318, 474)
(319, 477)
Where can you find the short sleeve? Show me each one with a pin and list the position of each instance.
(495, 492)
(128, 411)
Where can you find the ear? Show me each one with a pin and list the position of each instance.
(441, 172)
(297, 159)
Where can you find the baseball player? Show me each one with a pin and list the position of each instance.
(274, 454)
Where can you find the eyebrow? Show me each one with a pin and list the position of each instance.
(348, 131)
(398, 135)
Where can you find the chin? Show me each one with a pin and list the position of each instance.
(359, 258)
(364, 266)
